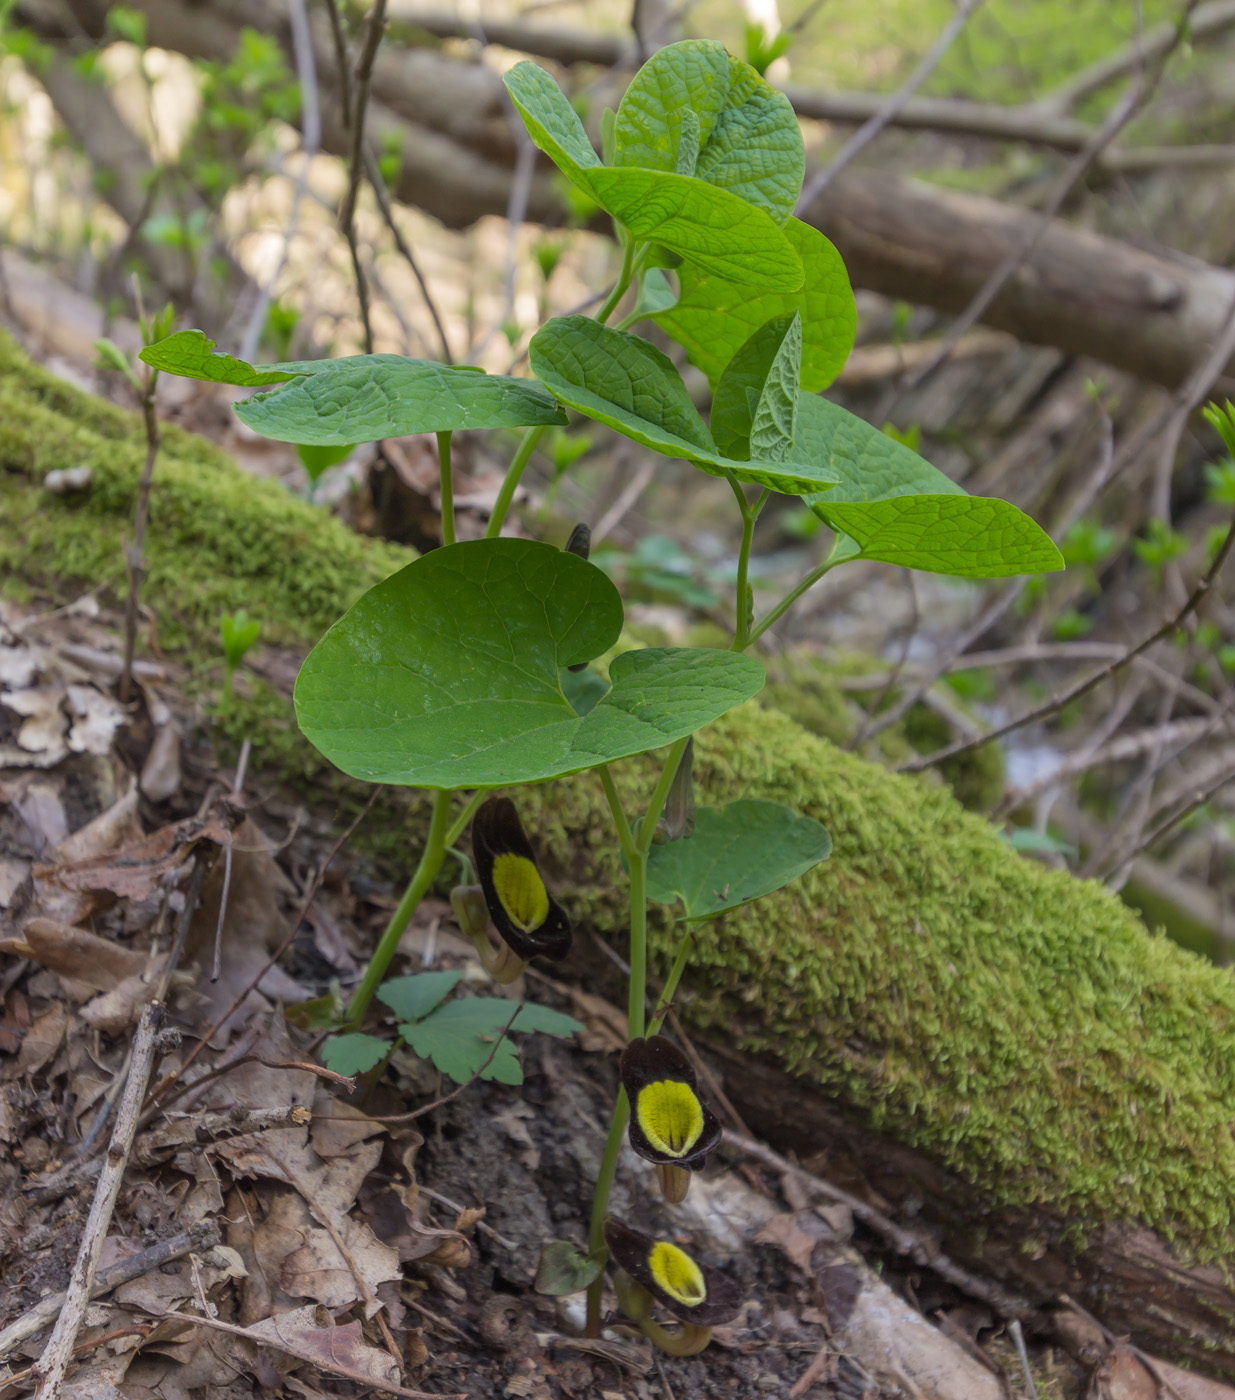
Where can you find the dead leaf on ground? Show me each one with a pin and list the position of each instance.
(329, 1347)
(41, 1042)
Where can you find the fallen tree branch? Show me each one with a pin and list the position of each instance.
(53, 1363)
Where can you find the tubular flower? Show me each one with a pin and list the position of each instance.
(531, 923)
(670, 1125)
(658, 1270)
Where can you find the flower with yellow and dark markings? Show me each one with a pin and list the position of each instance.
(670, 1125)
(529, 920)
(659, 1271)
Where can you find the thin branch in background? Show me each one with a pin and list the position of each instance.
(342, 63)
(347, 213)
(1198, 799)
(1139, 93)
(1170, 626)
(53, 1363)
(805, 17)
(374, 171)
(310, 144)
(894, 676)
(871, 128)
(135, 553)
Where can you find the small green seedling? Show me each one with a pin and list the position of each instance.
(493, 663)
(239, 631)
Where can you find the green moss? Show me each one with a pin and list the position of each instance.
(1016, 1024)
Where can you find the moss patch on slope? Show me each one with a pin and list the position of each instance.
(1016, 1024)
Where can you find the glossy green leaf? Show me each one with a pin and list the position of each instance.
(709, 227)
(755, 406)
(898, 508)
(755, 149)
(363, 398)
(715, 316)
(552, 123)
(192, 355)
(623, 381)
(681, 81)
(354, 1054)
(447, 674)
(459, 1036)
(736, 854)
(415, 996)
(655, 295)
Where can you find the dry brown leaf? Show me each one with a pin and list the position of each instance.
(109, 831)
(73, 952)
(338, 1126)
(41, 1042)
(329, 1347)
(319, 1270)
(114, 1011)
(98, 1379)
(96, 717)
(796, 1233)
(41, 738)
(160, 775)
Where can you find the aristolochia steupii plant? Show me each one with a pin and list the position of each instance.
(462, 673)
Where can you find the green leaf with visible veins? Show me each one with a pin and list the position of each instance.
(552, 123)
(688, 77)
(414, 997)
(192, 355)
(755, 406)
(626, 383)
(736, 854)
(900, 509)
(355, 1053)
(363, 398)
(755, 149)
(459, 1036)
(714, 316)
(709, 227)
(446, 675)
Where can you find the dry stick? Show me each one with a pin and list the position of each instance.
(812, 1373)
(51, 1366)
(203, 1235)
(138, 1329)
(341, 63)
(135, 554)
(876, 123)
(374, 171)
(919, 1246)
(1018, 1340)
(332, 1367)
(1172, 624)
(1133, 101)
(161, 1088)
(347, 214)
(480, 1224)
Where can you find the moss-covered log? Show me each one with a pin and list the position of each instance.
(1008, 1043)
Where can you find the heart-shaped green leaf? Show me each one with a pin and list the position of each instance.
(626, 383)
(446, 675)
(192, 355)
(363, 398)
(716, 231)
(459, 1036)
(687, 78)
(552, 123)
(755, 406)
(564, 1269)
(900, 509)
(737, 854)
(755, 149)
(715, 316)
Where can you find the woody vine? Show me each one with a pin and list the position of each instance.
(498, 662)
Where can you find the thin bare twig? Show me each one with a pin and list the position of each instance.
(1113, 668)
(880, 120)
(347, 213)
(342, 63)
(53, 1363)
(1198, 799)
(203, 1235)
(378, 183)
(135, 553)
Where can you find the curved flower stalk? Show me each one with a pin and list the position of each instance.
(670, 1125)
(529, 921)
(658, 1271)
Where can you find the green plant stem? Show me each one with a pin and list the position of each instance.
(465, 816)
(426, 872)
(788, 601)
(609, 306)
(448, 488)
(625, 835)
(600, 1208)
(671, 984)
(750, 514)
(513, 474)
(637, 990)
